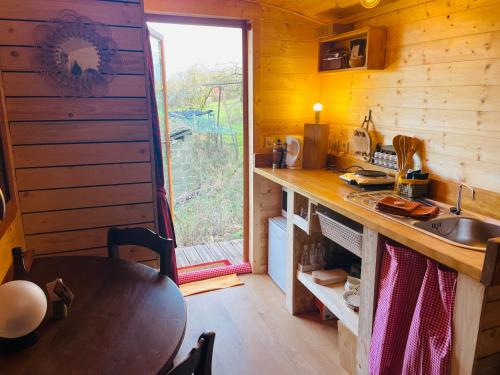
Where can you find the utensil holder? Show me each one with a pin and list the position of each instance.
(412, 188)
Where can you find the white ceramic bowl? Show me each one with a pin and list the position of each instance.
(22, 308)
(352, 284)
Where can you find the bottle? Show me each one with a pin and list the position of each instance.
(322, 254)
(305, 259)
(277, 152)
(283, 156)
(314, 257)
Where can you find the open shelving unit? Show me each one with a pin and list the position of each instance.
(331, 297)
(375, 38)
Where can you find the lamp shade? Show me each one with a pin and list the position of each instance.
(317, 107)
(22, 308)
(369, 3)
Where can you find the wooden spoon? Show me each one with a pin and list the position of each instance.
(413, 147)
(395, 144)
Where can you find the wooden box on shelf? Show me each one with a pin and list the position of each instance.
(373, 44)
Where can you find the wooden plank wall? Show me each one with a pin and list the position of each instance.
(441, 84)
(284, 51)
(82, 164)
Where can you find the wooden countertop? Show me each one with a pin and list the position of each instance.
(324, 187)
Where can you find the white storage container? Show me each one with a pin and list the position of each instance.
(277, 250)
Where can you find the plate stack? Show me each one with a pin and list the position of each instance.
(352, 299)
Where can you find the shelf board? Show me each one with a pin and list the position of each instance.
(342, 70)
(331, 297)
(347, 35)
(302, 223)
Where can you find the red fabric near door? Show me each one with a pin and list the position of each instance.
(412, 327)
(165, 223)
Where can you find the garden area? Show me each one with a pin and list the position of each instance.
(205, 110)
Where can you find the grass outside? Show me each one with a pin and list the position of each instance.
(213, 210)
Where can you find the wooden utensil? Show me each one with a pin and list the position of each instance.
(395, 144)
(410, 151)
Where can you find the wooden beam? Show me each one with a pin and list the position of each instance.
(371, 253)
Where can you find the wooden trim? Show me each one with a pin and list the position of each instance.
(85, 218)
(491, 268)
(20, 84)
(20, 59)
(168, 144)
(50, 109)
(80, 154)
(466, 319)
(12, 205)
(246, 146)
(154, 177)
(80, 176)
(200, 21)
(33, 133)
(54, 243)
(20, 33)
(372, 250)
(83, 197)
(109, 13)
(488, 365)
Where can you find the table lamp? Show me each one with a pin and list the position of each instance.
(22, 308)
(317, 108)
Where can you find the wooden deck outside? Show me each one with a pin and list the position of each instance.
(190, 255)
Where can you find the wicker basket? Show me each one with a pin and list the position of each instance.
(340, 233)
(412, 188)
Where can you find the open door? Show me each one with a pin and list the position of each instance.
(160, 79)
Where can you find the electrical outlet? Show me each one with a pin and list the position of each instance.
(268, 141)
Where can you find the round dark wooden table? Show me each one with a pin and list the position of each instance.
(126, 318)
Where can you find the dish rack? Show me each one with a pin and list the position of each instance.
(341, 230)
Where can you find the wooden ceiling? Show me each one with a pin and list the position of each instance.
(328, 11)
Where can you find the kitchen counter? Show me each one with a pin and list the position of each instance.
(325, 188)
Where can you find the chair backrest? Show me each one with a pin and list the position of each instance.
(199, 359)
(142, 237)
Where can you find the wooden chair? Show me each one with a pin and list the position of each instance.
(199, 359)
(145, 238)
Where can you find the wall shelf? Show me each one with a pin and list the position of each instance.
(374, 48)
(331, 297)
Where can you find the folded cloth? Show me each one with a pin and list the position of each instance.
(424, 212)
(403, 207)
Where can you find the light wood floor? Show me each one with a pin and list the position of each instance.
(256, 335)
(232, 250)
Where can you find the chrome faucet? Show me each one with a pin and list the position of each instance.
(458, 209)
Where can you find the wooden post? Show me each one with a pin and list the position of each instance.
(466, 317)
(491, 269)
(371, 253)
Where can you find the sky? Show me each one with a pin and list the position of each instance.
(187, 45)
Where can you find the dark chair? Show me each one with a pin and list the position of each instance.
(145, 238)
(199, 359)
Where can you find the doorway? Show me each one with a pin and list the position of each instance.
(200, 74)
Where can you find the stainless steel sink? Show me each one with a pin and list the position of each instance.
(462, 231)
(470, 231)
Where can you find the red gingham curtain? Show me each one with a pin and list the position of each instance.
(412, 329)
(165, 223)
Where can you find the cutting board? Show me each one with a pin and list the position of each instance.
(315, 146)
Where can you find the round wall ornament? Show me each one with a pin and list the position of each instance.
(78, 55)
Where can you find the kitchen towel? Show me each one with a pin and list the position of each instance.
(412, 326)
(403, 207)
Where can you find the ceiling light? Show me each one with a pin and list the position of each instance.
(369, 3)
